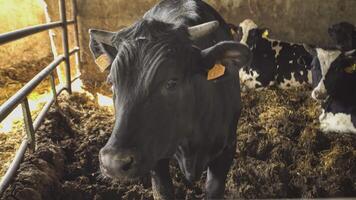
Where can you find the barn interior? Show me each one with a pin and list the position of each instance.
(281, 153)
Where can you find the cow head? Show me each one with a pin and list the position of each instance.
(154, 67)
(333, 71)
(250, 34)
(344, 35)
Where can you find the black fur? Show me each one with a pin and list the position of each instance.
(164, 105)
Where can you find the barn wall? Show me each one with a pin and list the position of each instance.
(290, 20)
(51, 7)
(109, 15)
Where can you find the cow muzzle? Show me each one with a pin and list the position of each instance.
(116, 164)
(319, 95)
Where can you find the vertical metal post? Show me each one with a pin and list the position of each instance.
(76, 31)
(28, 124)
(65, 43)
(53, 88)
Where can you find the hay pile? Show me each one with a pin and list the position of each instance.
(9, 144)
(14, 77)
(280, 153)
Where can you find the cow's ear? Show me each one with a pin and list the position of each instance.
(227, 53)
(236, 32)
(101, 46)
(350, 54)
(265, 32)
(310, 49)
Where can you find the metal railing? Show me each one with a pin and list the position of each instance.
(20, 97)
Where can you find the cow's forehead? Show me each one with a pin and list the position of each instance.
(246, 26)
(143, 64)
(326, 58)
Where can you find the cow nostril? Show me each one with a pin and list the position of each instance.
(127, 163)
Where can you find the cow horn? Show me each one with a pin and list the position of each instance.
(310, 49)
(202, 30)
(101, 36)
(350, 53)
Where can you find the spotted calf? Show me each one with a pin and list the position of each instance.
(274, 62)
(334, 80)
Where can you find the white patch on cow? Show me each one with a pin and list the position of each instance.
(326, 57)
(310, 77)
(246, 26)
(290, 62)
(288, 83)
(248, 80)
(301, 72)
(276, 48)
(319, 90)
(271, 83)
(339, 123)
(190, 8)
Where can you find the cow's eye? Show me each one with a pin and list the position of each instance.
(172, 84)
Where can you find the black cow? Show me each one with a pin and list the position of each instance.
(164, 105)
(274, 62)
(343, 35)
(334, 81)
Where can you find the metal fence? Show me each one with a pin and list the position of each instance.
(20, 97)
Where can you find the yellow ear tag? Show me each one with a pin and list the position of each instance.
(265, 34)
(217, 71)
(351, 69)
(103, 61)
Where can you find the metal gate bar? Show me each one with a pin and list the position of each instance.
(62, 6)
(21, 96)
(21, 33)
(14, 100)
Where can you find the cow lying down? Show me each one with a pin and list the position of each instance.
(334, 82)
(334, 79)
(273, 62)
(164, 105)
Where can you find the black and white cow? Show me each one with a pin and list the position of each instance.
(343, 35)
(274, 62)
(164, 105)
(334, 81)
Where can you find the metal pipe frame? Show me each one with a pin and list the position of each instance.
(21, 33)
(7, 107)
(27, 118)
(76, 30)
(20, 97)
(63, 15)
(15, 164)
(16, 99)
